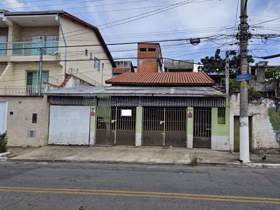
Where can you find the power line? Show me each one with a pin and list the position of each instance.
(116, 43)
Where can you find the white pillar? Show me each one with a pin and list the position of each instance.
(244, 142)
(139, 126)
(190, 127)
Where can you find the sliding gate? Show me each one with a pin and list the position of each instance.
(164, 126)
(115, 125)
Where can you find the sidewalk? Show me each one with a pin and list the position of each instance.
(126, 154)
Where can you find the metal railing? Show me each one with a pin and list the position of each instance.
(29, 90)
(34, 89)
(33, 48)
(3, 49)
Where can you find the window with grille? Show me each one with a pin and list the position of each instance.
(221, 115)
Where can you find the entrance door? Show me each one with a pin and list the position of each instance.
(153, 126)
(202, 127)
(164, 127)
(175, 127)
(237, 133)
(116, 126)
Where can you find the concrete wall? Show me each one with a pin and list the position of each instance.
(76, 34)
(263, 135)
(26, 33)
(19, 120)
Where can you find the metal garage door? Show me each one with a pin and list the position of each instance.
(164, 126)
(115, 125)
(69, 125)
(3, 117)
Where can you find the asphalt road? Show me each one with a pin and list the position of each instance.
(73, 186)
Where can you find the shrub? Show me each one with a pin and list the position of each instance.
(274, 117)
(3, 142)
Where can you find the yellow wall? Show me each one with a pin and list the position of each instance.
(85, 36)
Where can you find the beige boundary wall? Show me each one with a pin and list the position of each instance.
(20, 128)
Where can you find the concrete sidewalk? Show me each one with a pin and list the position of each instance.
(126, 154)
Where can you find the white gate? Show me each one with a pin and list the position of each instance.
(69, 125)
(3, 116)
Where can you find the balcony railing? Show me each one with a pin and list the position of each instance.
(33, 90)
(33, 48)
(29, 90)
(3, 49)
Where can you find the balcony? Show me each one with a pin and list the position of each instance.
(29, 90)
(33, 48)
(33, 90)
(3, 49)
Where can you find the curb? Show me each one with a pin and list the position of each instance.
(221, 164)
(4, 154)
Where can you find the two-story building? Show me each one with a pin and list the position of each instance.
(40, 51)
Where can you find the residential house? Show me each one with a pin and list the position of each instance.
(171, 65)
(122, 67)
(69, 50)
(144, 108)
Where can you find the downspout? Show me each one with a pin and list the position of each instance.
(65, 48)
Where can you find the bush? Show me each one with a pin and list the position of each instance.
(253, 94)
(3, 142)
(274, 117)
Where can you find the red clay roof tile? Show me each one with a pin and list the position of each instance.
(162, 79)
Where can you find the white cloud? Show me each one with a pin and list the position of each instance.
(14, 4)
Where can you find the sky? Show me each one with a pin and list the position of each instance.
(151, 20)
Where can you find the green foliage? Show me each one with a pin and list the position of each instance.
(3, 142)
(273, 74)
(253, 94)
(217, 64)
(274, 117)
(234, 86)
(194, 161)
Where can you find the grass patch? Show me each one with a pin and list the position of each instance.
(3, 142)
(274, 118)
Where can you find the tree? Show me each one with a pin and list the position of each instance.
(217, 64)
(273, 76)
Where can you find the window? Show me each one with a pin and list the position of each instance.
(143, 49)
(151, 49)
(97, 64)
(34, 118)
(32, 82)
(221, 116)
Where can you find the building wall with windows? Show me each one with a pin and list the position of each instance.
(14, 81)
(96, 67)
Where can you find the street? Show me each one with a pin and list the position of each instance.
(73, 186)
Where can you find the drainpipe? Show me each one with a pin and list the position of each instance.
(65, 48)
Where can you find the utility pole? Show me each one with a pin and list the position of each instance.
(244, 122)
(227, 77)
(40, 70)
